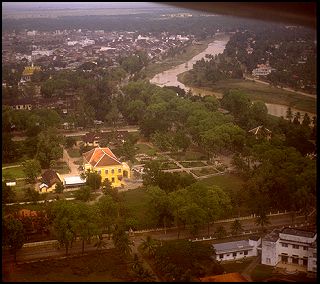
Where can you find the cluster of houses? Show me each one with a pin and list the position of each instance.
(69, 49)
(288, 246)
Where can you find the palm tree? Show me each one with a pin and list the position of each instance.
(236, 227)
(221, 232)
(121, 241)
(262, 220)
(149, 245)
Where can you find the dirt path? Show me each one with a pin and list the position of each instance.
(70, 162)
(247, 272)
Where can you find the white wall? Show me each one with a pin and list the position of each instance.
(269, 254)
(239, 255)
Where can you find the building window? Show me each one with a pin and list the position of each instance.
(268, 260)
(305, 248)
(106, 172)
(228, 254)
(314, 262)
(221, 256)
(284, 245)
(314, 254)
(234, 254)
(112, 171)
(112, 180)
(245, 252)
(295, 246)
(119, 171)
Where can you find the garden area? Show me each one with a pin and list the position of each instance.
(192, 164)
(204, 171)
(188, 155)
(144, 149)
(169, 166)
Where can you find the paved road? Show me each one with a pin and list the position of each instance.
(46, 251)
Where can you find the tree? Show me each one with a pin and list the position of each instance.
(65, 219)
(121, 241)
(289, 114)
(59, 187)
(262, 220)
(106, 187)
(306, 120)
(70, 142)
(108, 212)
(93, 180)
(83, 193)
(151, 173)
(149, 245)
(87, 224)
(32, 169)
(13, 235)
(8, 194)
(221, 232)
(113, 115)
(48, 147)
(182, 140)
(236, 227)
(31, 194)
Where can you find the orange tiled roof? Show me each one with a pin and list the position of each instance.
(101, 157)
(227, 277)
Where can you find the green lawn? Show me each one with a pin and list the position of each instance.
(136, 200)
(74, 153)
(204, 171)
(145, 149)
(263, 92)
(261, 272)
(192, 164)
(236, 266)
(188, 156)
(11, 164)
(61, 167)
(16, 172)
(169, 166)
(226, 182)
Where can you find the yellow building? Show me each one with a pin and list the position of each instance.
(29, 71)
(105, 163)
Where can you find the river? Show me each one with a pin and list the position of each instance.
(170, 77)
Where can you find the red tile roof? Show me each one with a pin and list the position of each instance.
(101, 157)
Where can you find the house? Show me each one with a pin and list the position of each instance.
(19, 104)
(49, 180)
(261, 132)
(262, 70)
(290, 246)
(91, 139)
(226, 277)
(237, 249)
(104, 162)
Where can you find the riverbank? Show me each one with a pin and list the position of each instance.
(168, 63)
(257, 91)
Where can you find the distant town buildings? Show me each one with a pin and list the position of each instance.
(262, 70)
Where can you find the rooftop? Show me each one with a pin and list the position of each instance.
(273, 236)
(232, 246)
(298, 232)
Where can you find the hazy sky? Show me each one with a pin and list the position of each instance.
(18, 6)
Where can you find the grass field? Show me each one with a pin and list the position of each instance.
(227, 182)
(16, 172)
(261, 272)
(188, 156)
(169, 166)
(192, 164)
(191, 51)
(263, 92)
(61, 168)
(236, 266)
(145, 149)
(74, 153)
(94, 267)
(136, 200)
(204, 172)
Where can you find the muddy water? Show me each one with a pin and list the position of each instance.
(170, 77)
